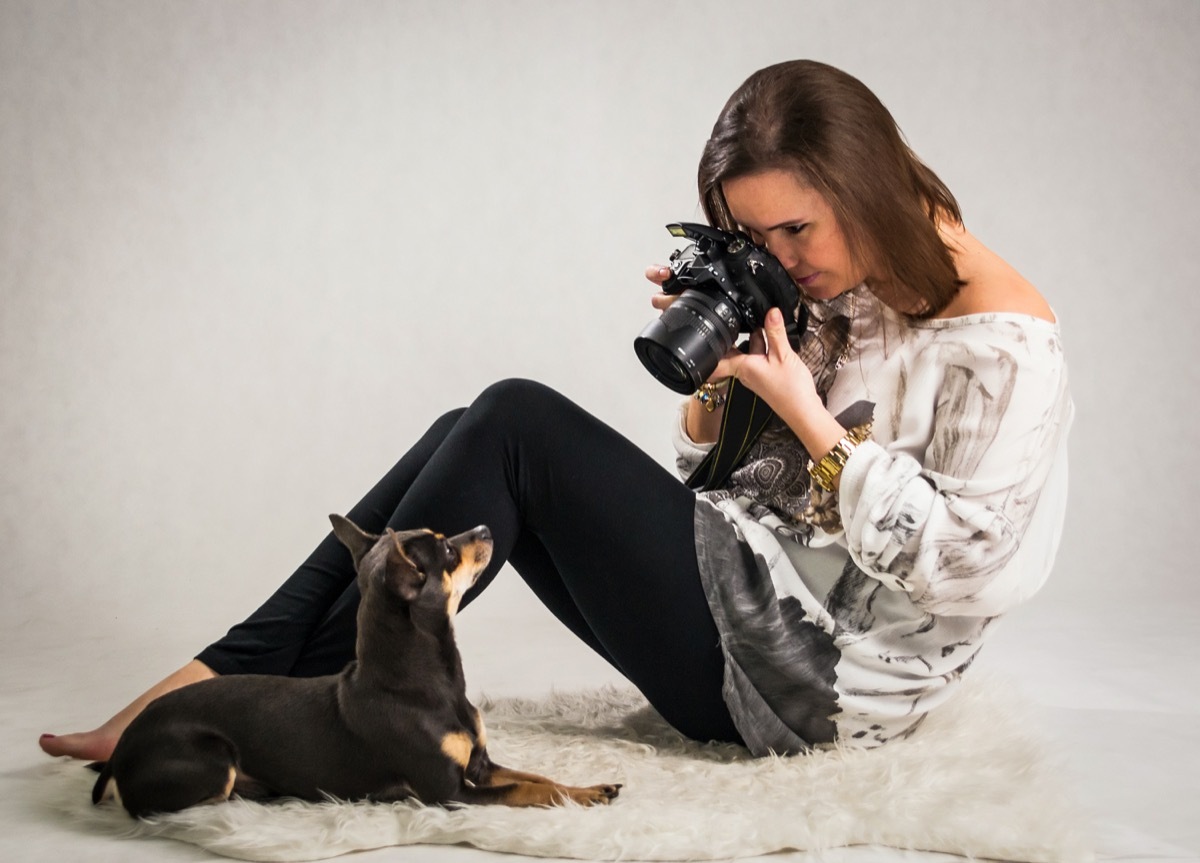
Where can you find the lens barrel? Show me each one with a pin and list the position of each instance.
(683, 346)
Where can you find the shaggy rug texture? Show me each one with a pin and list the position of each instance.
(976, 780)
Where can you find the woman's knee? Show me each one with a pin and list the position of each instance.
(518, 400)
(442, 425)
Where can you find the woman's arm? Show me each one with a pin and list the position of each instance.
(949, 528)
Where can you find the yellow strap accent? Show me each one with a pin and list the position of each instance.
(747, 439)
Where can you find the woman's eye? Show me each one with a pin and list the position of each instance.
(795, 229)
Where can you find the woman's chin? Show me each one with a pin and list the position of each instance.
(822, 293)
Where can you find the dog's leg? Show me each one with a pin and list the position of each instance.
(495, 784)
(501, 776)
(106, 789)
(174, 771)
(482, 770)
(542, 793)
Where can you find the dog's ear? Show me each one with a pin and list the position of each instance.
(353, 537)
(406, 573)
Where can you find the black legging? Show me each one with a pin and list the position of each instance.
(601, 533)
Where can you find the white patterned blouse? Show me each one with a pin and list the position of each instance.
(950, 516)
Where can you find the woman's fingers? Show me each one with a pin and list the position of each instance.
(658, 274)
(730, 365)
(776, 333)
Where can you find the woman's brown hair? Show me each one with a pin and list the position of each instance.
(837, 137)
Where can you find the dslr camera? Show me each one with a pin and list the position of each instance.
(726, 285)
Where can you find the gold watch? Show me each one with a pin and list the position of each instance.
(825, 471)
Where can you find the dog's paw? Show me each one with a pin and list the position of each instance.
(595, 795)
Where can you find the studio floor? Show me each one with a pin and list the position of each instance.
(1117, 691)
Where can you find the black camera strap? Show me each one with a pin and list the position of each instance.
(746, 415)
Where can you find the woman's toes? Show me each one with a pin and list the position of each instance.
(90, 745)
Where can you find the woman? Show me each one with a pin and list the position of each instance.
(808, 600)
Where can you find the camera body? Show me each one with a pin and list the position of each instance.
(726, 285)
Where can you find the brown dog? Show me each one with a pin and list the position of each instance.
(395, 724)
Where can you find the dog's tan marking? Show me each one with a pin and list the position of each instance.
(473, 558)
(457, 746)
(456, 585)
(224, 795)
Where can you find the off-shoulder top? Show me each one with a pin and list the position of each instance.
(949, 516)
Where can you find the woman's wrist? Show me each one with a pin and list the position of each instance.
(711, 396)
(704, 415)
(826, 472)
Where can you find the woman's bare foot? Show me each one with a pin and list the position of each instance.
(97, 745)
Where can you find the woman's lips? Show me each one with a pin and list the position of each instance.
(807, 280)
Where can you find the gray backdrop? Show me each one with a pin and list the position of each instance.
(249, 250)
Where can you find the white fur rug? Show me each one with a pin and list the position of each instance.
(975, 781)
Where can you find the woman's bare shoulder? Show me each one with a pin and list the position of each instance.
(992, 285)
(990, 296)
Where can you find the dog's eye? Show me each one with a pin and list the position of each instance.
(451, 553)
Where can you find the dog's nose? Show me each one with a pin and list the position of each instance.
(483, 533)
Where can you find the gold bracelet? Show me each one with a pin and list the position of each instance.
(825, 471)
(708, 396)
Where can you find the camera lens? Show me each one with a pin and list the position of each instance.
(682, 348)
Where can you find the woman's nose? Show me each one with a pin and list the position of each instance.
(783, 254)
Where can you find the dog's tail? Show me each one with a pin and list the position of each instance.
(103, 789)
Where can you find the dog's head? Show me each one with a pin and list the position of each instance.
(416, 565)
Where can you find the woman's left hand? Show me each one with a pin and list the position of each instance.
(772, 370)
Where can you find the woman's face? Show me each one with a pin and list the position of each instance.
(798, 227)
